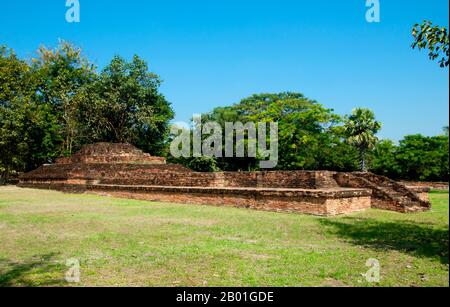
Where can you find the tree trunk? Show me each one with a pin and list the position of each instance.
(4, 177)
(363, 162)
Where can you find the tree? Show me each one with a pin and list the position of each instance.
(14, 75)
(423, 158)
(305, 129)
(417, 157)
(29, 131)
(433, 38)
(384, 159)
(123, 105)
(12, 149)
(57, 102)
(61, 73)
(361, 129)
(336, 154)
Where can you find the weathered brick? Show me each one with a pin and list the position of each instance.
(121, 170)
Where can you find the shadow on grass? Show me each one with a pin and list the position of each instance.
(421, 240)
(14, 274)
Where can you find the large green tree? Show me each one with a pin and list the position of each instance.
(57, 102)
(307, 132)
(423, 158)
(384, 159)
(14, 78)
(361, 128)
(416, 157)
(61, 73)
(123, 104)
(29, 131)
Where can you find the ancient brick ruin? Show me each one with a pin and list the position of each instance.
(121, 170)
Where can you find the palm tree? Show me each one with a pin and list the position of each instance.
(361, 128)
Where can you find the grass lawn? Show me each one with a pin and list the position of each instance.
(134, 243)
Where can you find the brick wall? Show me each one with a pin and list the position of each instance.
(175, 175)
(315, 202)
(280, 179)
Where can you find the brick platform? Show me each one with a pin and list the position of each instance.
(327, 202)
(120, 170)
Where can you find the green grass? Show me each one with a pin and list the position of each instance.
(135, 243)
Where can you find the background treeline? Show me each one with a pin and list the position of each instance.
(312, 137)
(59, 101)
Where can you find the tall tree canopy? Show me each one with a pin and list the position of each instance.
(123, 105)
(57, 102)
(307, 138)
(416, 157)
(423, 158)
(61, 73)
(14, 77)
(29, 131)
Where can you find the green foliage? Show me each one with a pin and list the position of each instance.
(123, 105)
(15, 95)
(337, 155)
(61, 73)
(306, 131)
(384, 161)
(202, 164)
(15, 78)
(360, 129)
(58, 102)
(36, 106)
(433, 38)
(424, 158)
(417, 157)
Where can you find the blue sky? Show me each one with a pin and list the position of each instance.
(213, 53)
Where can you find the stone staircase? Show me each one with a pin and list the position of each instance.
(387, 194)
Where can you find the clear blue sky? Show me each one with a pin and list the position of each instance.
(215, 52)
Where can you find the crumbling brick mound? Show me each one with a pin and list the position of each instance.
(111, 153)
